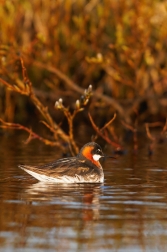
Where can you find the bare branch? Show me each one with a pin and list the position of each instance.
(107, 124)
(104, 136)
(76, 88)
(32, 135)
(26, 89)
(148, 133)
(131, 128)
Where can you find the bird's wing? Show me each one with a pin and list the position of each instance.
(65, 166)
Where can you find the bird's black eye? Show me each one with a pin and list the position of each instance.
(98, 151)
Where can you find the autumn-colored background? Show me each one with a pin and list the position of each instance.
(119, 47)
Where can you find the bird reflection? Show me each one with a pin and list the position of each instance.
(79, 196)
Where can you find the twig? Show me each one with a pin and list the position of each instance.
(13, 87)
(100, 133)
(32, 135)
(153, 139)
(70, 118)
(79, 106)
(27, 90)
(131, 128)
(148, 133)
(76, 88)
(107, 124)
(165, 127)
(155, 124)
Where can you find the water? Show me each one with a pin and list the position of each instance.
(126, 213)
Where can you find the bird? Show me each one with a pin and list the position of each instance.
(83, 168)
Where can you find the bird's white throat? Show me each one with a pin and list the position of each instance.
(96, 157)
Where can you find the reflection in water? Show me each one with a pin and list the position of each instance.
(56, 208)
(88, 196)
(127, 213)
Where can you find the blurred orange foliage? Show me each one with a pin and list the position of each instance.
(117, 46)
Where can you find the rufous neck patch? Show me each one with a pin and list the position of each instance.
(87, 154)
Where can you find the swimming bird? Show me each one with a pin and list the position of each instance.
(83, 168)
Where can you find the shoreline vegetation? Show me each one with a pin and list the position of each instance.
(69, 63)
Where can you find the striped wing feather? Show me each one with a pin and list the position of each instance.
(65, 166)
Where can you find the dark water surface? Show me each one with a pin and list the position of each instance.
(126, 213)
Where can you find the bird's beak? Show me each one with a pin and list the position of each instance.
(109, 157)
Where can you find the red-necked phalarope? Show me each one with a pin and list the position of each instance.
(84, 168)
